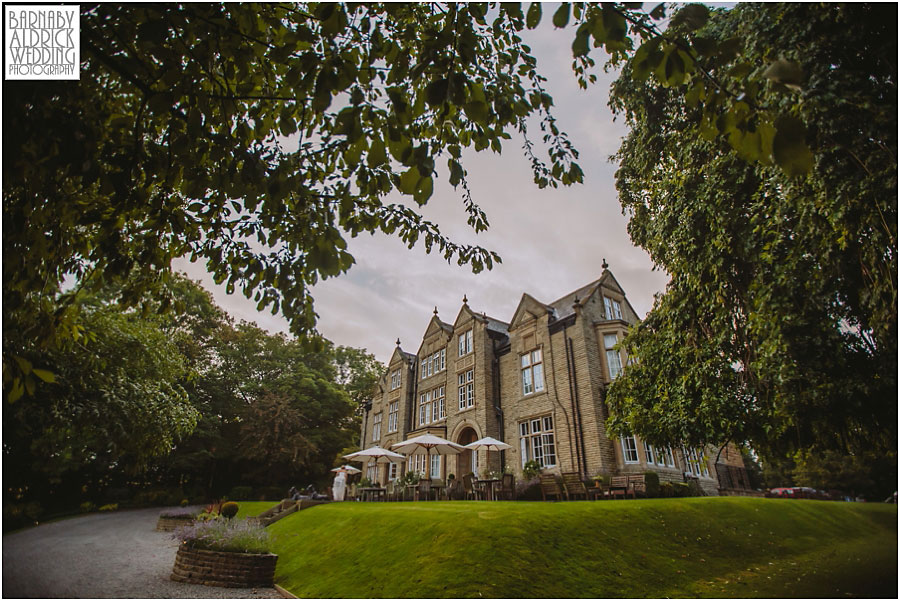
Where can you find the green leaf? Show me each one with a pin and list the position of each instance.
(424, 189)
(45, 375)
(478, 111)
(692, 16)
(377, 155)
(580, 46)
(409, 180)
(16, 391)
(24, 364)
(436, 92)
(789, 149)
(788, 73)
(534, 15)
(561, 16)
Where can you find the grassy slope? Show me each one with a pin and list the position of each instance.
(247, 509)
(706, 547)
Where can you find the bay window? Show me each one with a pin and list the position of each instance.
(613, 359)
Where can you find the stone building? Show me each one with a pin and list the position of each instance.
(537, 382)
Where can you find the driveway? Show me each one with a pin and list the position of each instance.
(109, 555)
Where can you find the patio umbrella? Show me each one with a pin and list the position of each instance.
(376, 454)
(488, 444)
(346, 468)
(428, 442)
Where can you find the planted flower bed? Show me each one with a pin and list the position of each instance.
(224, 552)
(172, 519)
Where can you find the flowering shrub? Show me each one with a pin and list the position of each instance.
(186, 513)
(225, 535)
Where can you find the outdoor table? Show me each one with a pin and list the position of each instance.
(488, 486)
(597, 492)
(373, 493)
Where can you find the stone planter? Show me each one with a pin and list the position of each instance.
(164, 524)
(223, 568)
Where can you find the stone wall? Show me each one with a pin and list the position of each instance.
(221, 568)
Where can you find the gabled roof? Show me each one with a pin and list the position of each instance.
(400, 355)
(491, 323)
(528, 305)
(563, 306)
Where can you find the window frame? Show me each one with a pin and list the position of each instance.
(527, 372)
(396, 379)
(612, 353)
(466, 389)
(537, 441)
(376, 425)
(649, 454)
(393, 417)
(465, 343)
(626, 451)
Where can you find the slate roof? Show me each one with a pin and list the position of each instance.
(562, 307)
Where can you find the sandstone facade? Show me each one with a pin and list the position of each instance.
(537, 382)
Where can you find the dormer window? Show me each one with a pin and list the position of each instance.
(613, 308)
(395, 379)
(465, 343)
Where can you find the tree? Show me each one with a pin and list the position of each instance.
(113, 404)
(173, 142)
(779, 324)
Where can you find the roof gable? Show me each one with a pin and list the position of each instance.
(398, 356)
(464, 314)
(529, 308)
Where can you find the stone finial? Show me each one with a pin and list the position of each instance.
(435, 310)
(605, 264)
(465, 300)
(398, 342)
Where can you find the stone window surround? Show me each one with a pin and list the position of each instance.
(530, 368)
(542, 435)
(396, 379)
(606, 351)
(465, 343)
(626, 450)
(469, 385)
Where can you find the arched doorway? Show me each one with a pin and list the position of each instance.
(467, 461)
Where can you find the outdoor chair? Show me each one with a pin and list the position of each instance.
(350, 495)
(574, 486)
(550, 487)
(618, 487)
(437, 488)
(472, 491)
(638, 485)
(507, 487)
(394, 491)
(423, 489)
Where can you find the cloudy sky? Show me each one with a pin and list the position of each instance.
(551, 241)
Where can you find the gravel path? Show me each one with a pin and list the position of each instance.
(110, 555)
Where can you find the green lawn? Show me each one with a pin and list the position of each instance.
(703, 547)
(249, 509)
